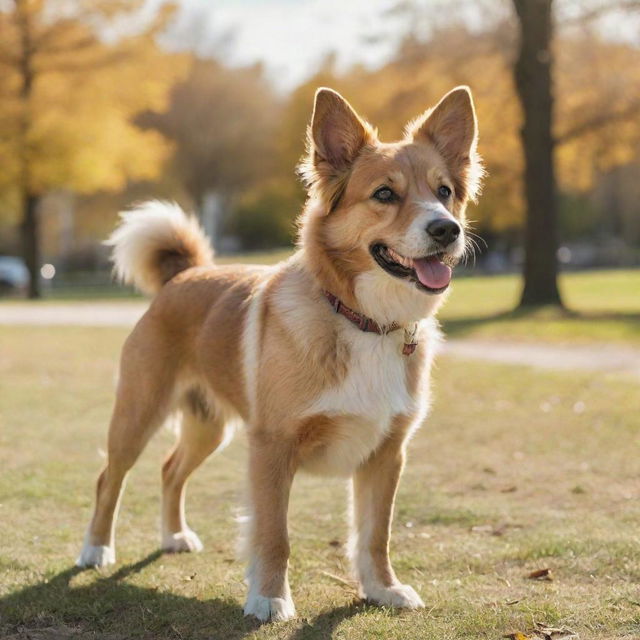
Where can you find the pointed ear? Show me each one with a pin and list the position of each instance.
(451, 125)
(337, 133)
(334, 138)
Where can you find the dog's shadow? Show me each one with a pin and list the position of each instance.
(111, 607)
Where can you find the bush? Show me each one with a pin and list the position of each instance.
(264, 218)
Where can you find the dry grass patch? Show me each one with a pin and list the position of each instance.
(515, 470)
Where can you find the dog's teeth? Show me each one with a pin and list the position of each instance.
(394, 256)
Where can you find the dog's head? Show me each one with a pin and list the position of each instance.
(385, 223)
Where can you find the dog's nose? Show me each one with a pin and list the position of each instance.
(444, 231)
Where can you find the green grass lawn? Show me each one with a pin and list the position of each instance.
(601, 305)
(515, 470)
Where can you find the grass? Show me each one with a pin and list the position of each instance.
(515, 470)
(601, 306)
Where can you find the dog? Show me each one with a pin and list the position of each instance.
(325, 357)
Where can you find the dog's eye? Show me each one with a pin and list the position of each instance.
(384, 194)
(444, 191)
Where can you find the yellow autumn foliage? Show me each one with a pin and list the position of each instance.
(88, 89)
(597, 84)
(76, 128)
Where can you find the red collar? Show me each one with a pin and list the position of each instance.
(369, 325)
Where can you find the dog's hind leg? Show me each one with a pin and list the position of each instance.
(204, 428)
(142, 403)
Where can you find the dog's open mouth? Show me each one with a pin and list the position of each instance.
(431, 273)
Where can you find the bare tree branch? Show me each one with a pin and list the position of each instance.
(71, 45)
(597, 122)
(77, 67)
(602, 10)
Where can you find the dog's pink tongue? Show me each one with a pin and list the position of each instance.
(432, 272)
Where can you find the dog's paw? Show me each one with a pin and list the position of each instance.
(263, 608)
(99, 556)
(400, 595)
(181, 542)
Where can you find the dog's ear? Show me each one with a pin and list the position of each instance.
(337, 133)
(335, 137)
(451, 126)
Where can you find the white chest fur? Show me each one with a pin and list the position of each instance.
(365, 402)
(376, 383)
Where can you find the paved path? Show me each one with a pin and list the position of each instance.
(84, 314)
(597, 357)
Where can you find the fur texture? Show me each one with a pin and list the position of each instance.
(154, 242)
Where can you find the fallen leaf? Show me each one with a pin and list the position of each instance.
(556, 633)
(541, 574)
(516, 635)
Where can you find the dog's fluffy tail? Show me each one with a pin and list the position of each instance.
(154, 242)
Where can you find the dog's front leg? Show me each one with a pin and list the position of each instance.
(271, 472)
(374, 489)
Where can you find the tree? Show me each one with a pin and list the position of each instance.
(600, 101)
(66, 104)
(532, 73)
(222, 124)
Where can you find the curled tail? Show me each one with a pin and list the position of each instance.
(154, 242)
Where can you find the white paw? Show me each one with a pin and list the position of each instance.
(399, 595)
(91, 556)
(182, 541)
(265, 609)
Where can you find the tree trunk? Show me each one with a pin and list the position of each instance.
(31, 242)
(30, 227)
(532, 74)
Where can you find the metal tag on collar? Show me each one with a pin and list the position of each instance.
(410, 342)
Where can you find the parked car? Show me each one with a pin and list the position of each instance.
(14, 275)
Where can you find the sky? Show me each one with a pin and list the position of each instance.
(291, 37)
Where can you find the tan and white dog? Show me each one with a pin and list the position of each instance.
(325, 357)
